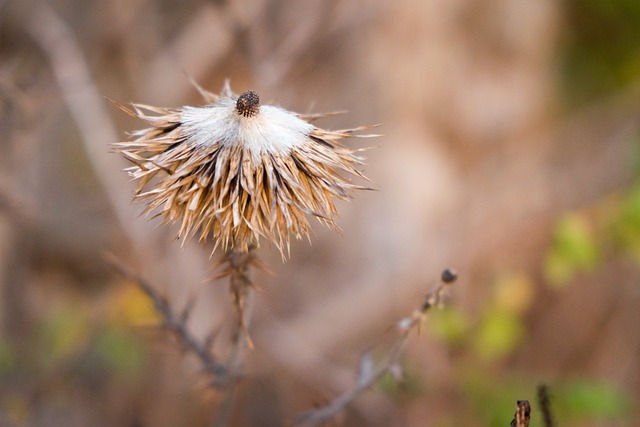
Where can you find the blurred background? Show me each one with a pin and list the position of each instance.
(510, 153)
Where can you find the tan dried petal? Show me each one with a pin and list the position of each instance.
(236, 171)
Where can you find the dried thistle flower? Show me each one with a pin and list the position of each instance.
(237, 171)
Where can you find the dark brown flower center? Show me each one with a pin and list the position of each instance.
(248, 104)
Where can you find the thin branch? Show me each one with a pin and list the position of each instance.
(224, 375)
(177, 324)
(545, 405)
(369, 374)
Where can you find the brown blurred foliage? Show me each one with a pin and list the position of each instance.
(479, 160)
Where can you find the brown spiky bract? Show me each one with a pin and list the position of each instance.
(239, 186)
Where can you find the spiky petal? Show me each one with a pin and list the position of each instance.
(237, 171)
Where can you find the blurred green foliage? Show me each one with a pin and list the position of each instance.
(7, 358)
(450, 325)
(625, 225)
(499, 332)
(574, 249)
(601, 49)
(599, 55)
(492, 398)
(70, 350)
(68, 334)
(498, 329)
(120, 350)
(63, 332)
(584, 400)
(582, 239)
(70, 339)
(572, 402)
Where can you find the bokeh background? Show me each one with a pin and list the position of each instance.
(510, 152)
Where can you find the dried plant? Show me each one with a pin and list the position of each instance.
(522, 415)
(237, 171)
(177, 325)
(368, 372)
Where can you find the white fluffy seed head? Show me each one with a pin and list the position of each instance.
(272, 130)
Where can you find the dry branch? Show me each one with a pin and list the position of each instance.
(224, 376)
(177, 324)
(368, 373)
(240, 286)
(85, 104)
(545, 405)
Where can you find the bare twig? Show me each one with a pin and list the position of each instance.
(522, 415)
(225, 376)
(177, 324)
(545, 405)
(369, 374)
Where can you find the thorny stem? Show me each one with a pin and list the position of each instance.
(177, 325)
(225, 376)
(238, 266)
(238, 269)
(368, 378)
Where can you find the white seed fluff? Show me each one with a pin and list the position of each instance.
(273, 130)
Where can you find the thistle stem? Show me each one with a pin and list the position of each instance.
(240, 286)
